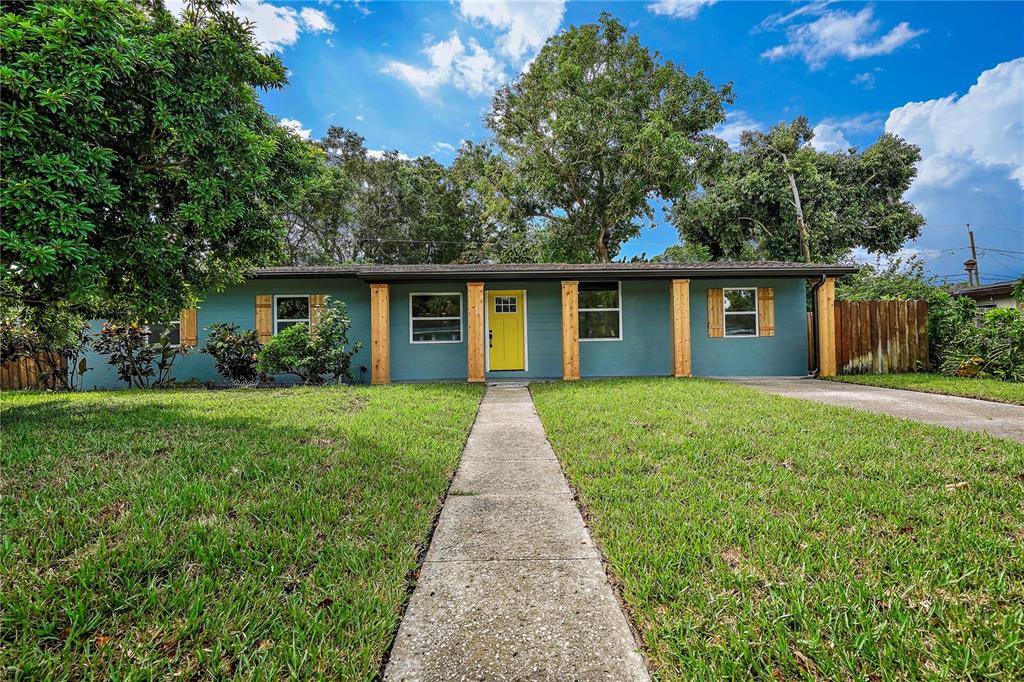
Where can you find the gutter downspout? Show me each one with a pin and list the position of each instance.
(814, 321)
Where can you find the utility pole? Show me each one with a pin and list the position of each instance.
(973, 276)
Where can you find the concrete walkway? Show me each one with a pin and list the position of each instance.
(998, 419)
(512, 587)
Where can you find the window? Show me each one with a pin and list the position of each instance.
(290, 310)
(435, 318)
(740, 312)
(600, 311)
(174, 329)
(505, 304)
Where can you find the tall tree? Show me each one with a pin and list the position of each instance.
(596, 128)
(785, 200)
(139, 167)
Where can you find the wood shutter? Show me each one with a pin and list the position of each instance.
(187, 333)
(316, 306)
(716, 314)
(265, 317)
(765, 311)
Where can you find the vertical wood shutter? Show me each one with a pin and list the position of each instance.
(316, 306)
(265, 317)
(765, 311)
(187, 333)
(716, 314)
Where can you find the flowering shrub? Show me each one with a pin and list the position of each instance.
(234, 352)
(312, 356)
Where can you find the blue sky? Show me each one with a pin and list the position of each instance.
(417, 77)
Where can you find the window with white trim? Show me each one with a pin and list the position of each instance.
(173, 332)
(740, 312)
(435, 318)
(600, 311)
(290, 311)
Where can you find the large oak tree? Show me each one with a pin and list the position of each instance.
(139, 167)
(595, 129)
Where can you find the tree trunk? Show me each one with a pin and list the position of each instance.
(801, 227)
(602, 248)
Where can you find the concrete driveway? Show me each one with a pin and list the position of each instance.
(998, 419)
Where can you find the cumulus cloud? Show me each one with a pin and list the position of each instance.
(829, 138)
(381, 153)
(679, 9)
(835, 33)
(274, 27)
(295, 127)
(524, 26)
(983, 127)
(468, 67)
(735, 123)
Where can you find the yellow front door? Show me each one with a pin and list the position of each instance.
(505, 331)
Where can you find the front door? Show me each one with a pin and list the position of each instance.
(505, 333)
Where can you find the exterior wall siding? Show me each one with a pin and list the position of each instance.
(784, 354)
(643, 350)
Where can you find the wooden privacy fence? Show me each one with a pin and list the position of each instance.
(26, 372)
(878, 337)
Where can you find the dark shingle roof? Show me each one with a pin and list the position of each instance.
(559, 270)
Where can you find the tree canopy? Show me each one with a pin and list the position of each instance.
(596, 128)
(140, 168)
(786, 200)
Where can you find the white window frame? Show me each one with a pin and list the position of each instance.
(309, 309)
(462, 336)
(618, 283)
(756, 311)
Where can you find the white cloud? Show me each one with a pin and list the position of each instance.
(525, 26)
(359, 117)
(867, 79)
(829, 138)
(679, 9)
(837, 33)
(470, 68)
(380, 153)
(295, 126)
(444, 147)
(274, 27)
(735, 123)
(983, 127)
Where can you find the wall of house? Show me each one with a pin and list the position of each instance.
(237, 305)
(784, 354)
(643, 350)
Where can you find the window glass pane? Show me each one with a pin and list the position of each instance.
(444, 305)
(155, 330)
(599, 324)
(599, 295)
(744, 324)
(505, 304)
(740, 300)
(293, 308)
(281, 326)
(436, 330)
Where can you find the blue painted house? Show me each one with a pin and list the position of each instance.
(534, 321)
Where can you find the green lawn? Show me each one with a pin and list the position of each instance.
(985, 389)
(760, 536)
(207, 534)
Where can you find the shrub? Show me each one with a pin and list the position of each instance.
(138, 361)
(326, 352)
(55, 338)
(234, 352)
(993, 349)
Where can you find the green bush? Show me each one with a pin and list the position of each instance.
(234, 352)
(137, 361)
(993, 349)
(311, 357)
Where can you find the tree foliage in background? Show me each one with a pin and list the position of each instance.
(792, 202)
(595, 129)
(380, 209)
(139, 166)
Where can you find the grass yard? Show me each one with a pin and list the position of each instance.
(210, 534)
(985, 389)
(760, 536)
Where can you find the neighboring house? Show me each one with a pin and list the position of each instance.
(991, 296)
(524, 321)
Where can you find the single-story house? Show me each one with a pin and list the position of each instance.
(991, 296)
(482, 322)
